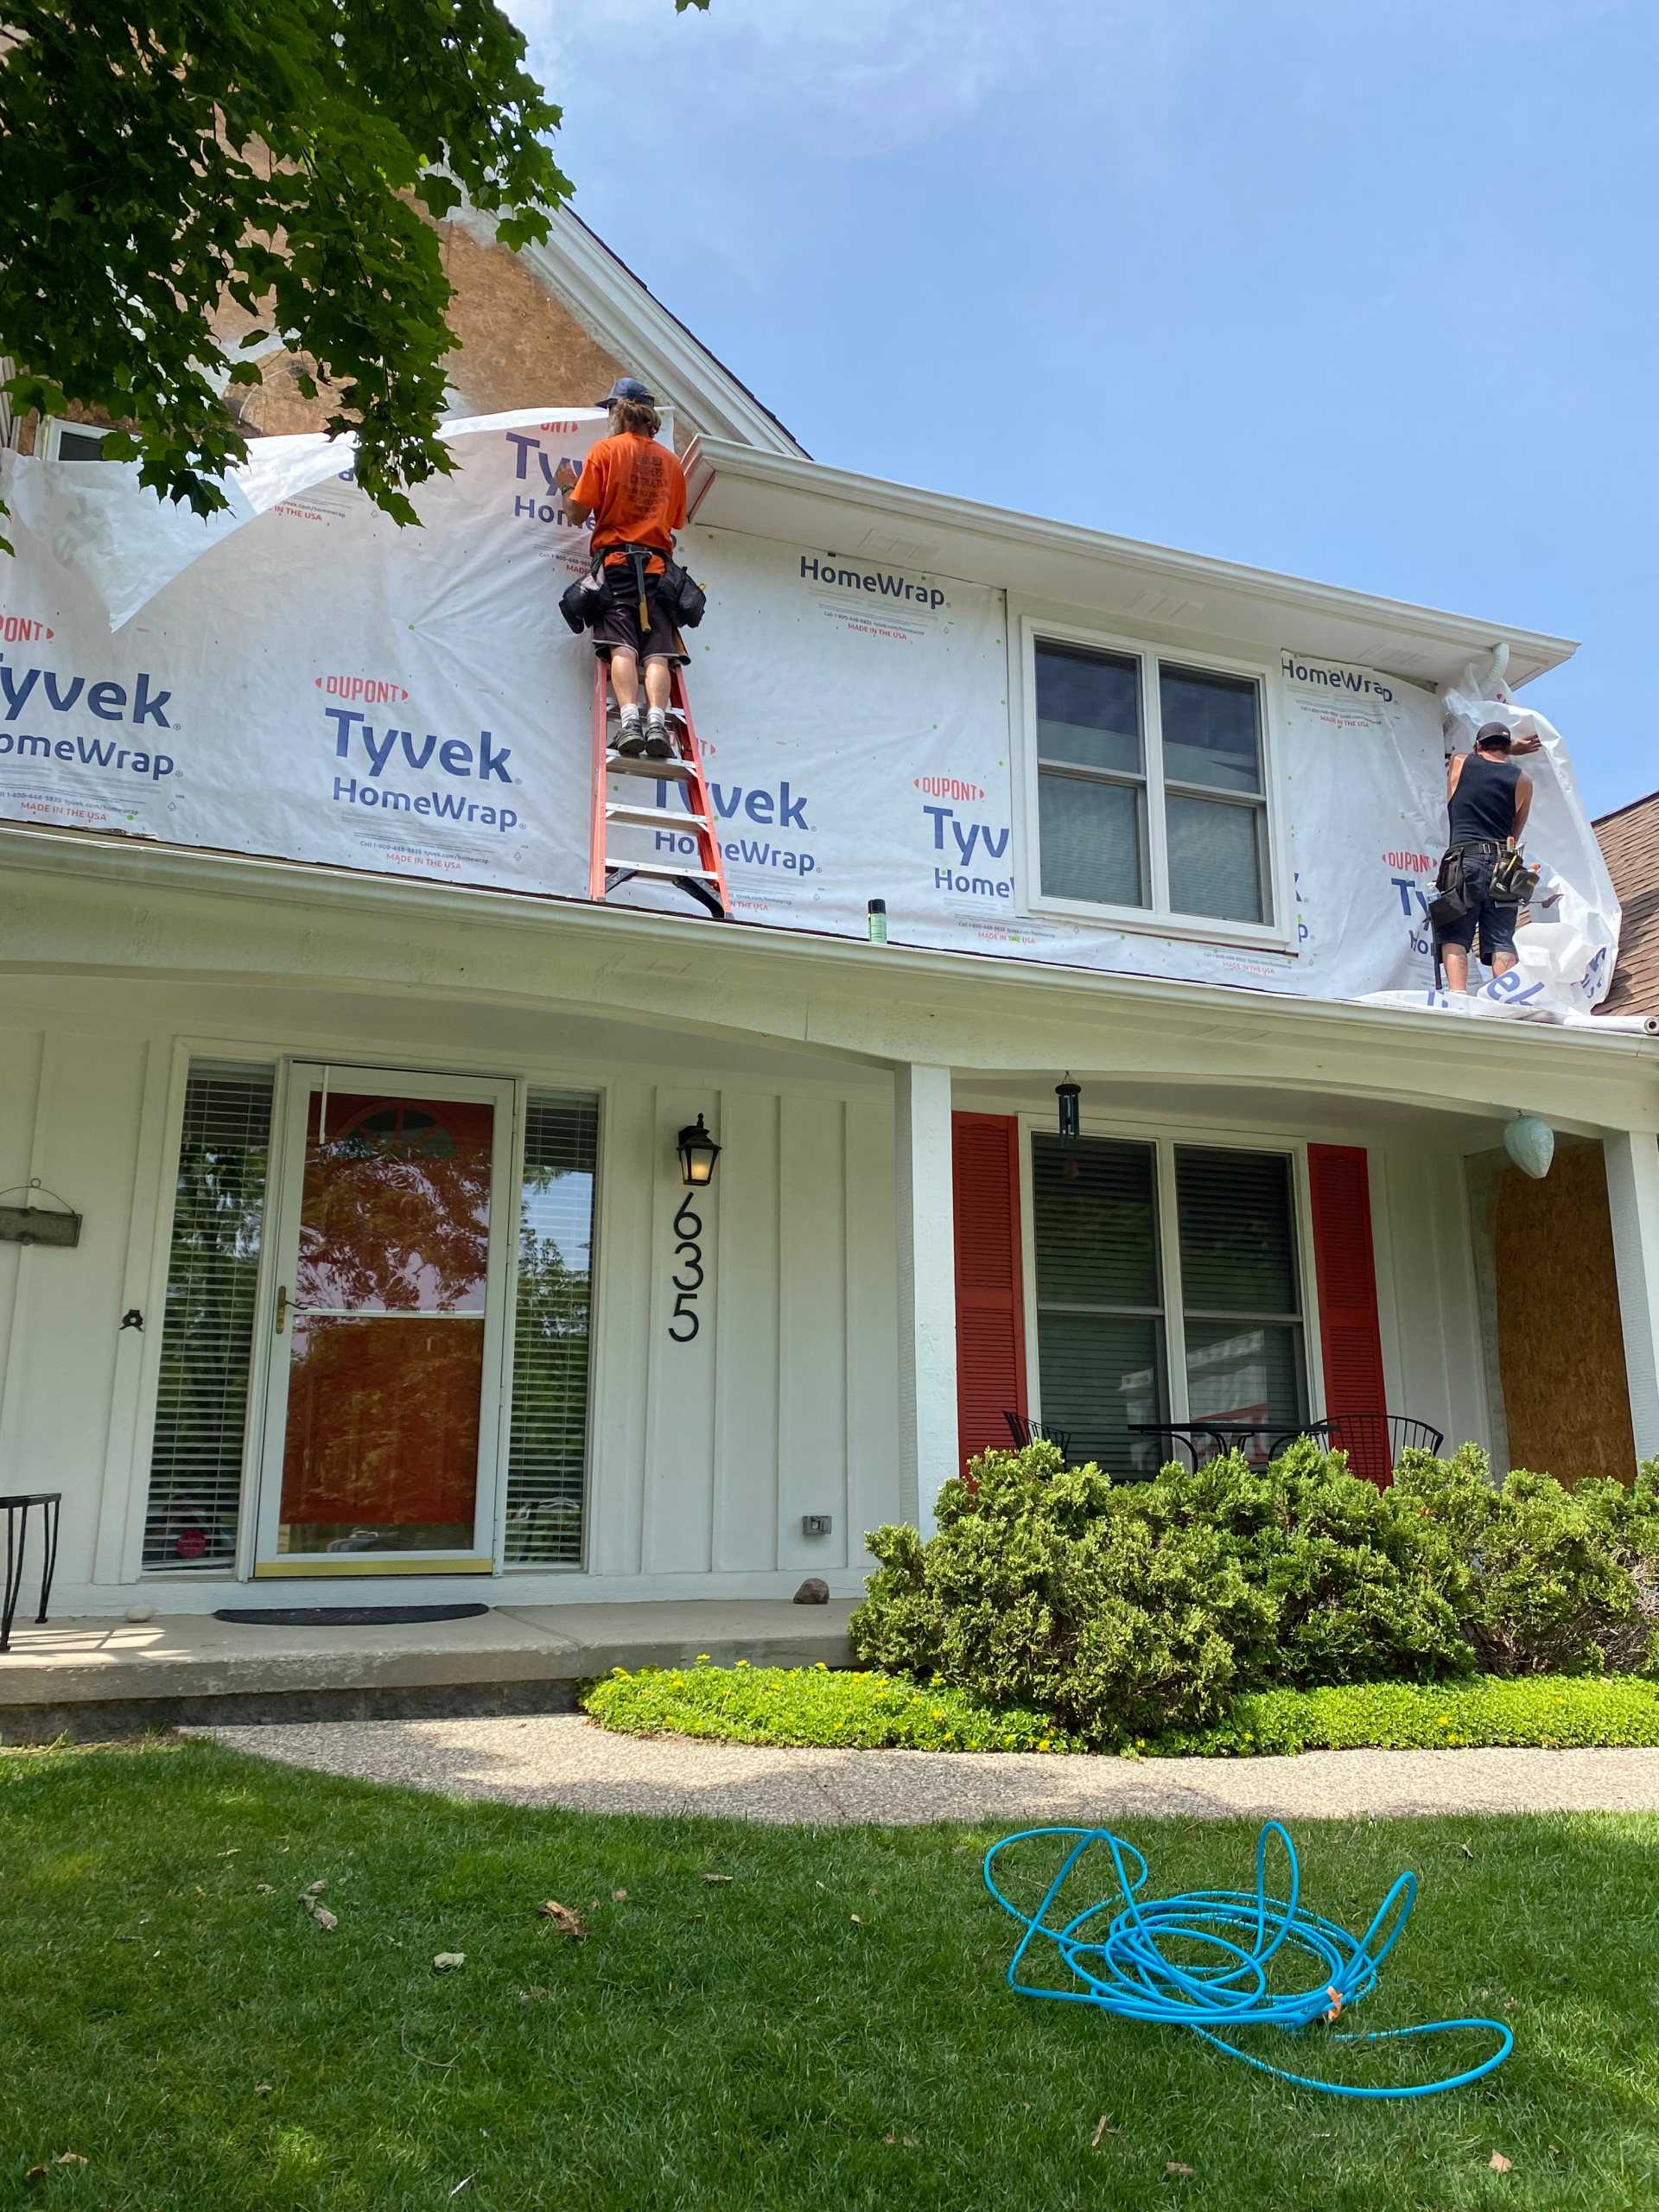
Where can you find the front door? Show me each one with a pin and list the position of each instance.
(382, 1407)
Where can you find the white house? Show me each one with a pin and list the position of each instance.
(369, 1112)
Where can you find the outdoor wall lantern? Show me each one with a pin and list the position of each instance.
(698, 1153)
(1069, 1094)
(1530, 1144)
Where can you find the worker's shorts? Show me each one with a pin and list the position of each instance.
(1494, 919)
(619, 625)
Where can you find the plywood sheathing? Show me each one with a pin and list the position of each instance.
(1560, 1339)
(520, 346)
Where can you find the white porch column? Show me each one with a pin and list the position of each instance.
(1633, 1200)
(927, 1291)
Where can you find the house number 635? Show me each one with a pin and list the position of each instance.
(688, 1256)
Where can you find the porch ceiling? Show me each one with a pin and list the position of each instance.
(1322, 1115)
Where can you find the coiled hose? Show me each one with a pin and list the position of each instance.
(1126, 1969)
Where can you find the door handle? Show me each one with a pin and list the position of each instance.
(282, 1307)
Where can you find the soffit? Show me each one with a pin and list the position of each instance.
(1148, 587)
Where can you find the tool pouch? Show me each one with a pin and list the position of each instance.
(1513, 881)
(582, 602)
(681, 597)
(1453, 902)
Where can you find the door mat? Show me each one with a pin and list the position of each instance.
(344, 1615)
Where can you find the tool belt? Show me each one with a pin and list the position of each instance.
(679, 596)
(1513, 883)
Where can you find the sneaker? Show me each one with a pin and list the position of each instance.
(659, 746)
(630, 739)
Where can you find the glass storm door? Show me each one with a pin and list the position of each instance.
(382, 1405)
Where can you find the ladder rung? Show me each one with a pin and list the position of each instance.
(653, 817)
(662, 771)
(668, 869)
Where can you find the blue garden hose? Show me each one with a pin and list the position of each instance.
(1124, 1969)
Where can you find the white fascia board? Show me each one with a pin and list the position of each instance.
(633, 325)
(899, 977)
(1152, 587)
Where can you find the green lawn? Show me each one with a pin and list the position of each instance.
(827, 2028)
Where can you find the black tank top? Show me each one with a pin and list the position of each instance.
(1482, 808)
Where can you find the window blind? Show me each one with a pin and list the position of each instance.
(547, 1460)
(1099, 1298)
(202, 1408)
(1239, 1292)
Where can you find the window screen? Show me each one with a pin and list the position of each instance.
(548, 1452)
(1241, 1304)
(196, 1458)
(1100, 1319)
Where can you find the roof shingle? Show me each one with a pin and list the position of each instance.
(1629, 838)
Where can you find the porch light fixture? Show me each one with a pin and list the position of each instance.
(698, 1153)
(1530, 1144)
(1068, 1093)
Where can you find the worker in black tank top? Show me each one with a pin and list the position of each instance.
(1487, 799)
(1481, 806)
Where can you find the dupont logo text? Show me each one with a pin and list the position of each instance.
(373, 691)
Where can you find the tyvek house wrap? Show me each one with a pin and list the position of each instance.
(299, 678)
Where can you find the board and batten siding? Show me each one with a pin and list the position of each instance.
(708, 1452)
(1428, 1301)
(702, 1458)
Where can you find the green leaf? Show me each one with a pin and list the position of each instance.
(277, 153)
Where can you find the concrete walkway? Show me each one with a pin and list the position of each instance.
(563, 1759)
(87, 1677)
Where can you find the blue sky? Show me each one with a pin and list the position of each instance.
(1363, 292)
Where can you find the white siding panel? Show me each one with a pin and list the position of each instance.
(812, 1275)
(746, 1301)
(20, 1054)
(63, 1349)
(679, 1498)
(1427, 1294)
(872, 1324)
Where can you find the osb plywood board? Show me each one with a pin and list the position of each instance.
(1560, 1341)
(519, 347)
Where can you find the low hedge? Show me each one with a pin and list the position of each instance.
(813, 1706)
(1130, 1610)
(1540, 1711)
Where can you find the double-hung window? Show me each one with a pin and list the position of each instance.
(1151, 785)
(1167, 1290)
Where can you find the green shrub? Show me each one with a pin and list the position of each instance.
(1130, 1610)
(1554, 1576)
(811, 1706)
(1056, 1589)
(803, 1705)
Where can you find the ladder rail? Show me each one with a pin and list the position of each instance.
(596, 828)
(705, 883)
(704, 802)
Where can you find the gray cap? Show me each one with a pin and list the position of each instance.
(1495, 734)
(627, 388)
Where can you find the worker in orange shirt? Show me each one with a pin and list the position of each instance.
(634, 489)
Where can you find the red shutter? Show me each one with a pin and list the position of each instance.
(990, 1295)
(1340, 1186)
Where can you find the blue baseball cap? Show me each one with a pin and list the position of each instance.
(627, 388)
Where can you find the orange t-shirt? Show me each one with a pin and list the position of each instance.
(637, 491)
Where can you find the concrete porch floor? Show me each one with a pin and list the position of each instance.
(99, 1677)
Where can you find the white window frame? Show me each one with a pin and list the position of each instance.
(56, 425)
(1158, 919)
(1164, 1136)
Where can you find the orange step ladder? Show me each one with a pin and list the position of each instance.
(706, 883)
